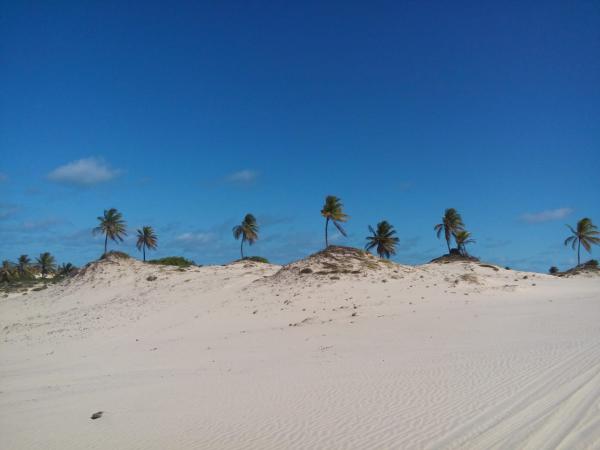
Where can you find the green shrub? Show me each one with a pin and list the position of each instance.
(553, 270)
(116, 254)
(178, 261)
(591, 263)
(259, 259)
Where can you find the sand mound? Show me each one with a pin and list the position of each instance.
(109, 267)
(337, 262)
(584, 270)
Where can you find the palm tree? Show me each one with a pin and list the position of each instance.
(383, 239)
(46, 263)
(112, 226)
(585, 234)
(247, 230)
(332, 211)
(451, 224)
(146, 240)
(7, 271)
(66, 269)
(23, 264)
(462, 238)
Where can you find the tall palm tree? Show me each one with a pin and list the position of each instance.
(462, 238)
(585, 234)
(247, 230)
(383, 239)
(23, 264)
(146, 239)
(332, 211)
(46, 263)
(112, 226)
(451, 224)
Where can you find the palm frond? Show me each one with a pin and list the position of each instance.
(340, 228)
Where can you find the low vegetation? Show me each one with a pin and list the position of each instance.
(115, 254)
(178, 261)
(23, 275)
(259, 259)
(587, 268)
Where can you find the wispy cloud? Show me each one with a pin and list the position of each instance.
(243, 177)
(268, 220)
(31, 226)
(495, 243)
(195, 238)
(41, 225)
(84, 172)
(7, 210)
(546, 216)
(410, 243)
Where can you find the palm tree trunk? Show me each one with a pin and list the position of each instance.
(242, 248)
(144, 251)
(579, 252)
(105, 243)
(326, 226)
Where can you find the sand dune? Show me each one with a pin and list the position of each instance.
(340, 350)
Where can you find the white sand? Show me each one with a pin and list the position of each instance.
(206, 358)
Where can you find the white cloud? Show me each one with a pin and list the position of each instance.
(546, 216)
(84, 172)
(245, 176)
(195, 238)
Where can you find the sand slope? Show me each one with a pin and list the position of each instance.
(353, 354)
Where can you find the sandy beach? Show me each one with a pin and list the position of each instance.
(329, 352)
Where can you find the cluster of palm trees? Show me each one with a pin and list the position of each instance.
(26, 269)
(382, 238)
(113, 227)
(453, 227)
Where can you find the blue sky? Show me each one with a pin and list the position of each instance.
(187, 115)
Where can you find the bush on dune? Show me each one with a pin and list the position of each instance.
(178, 261)
(259, 259)
(116, 254)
